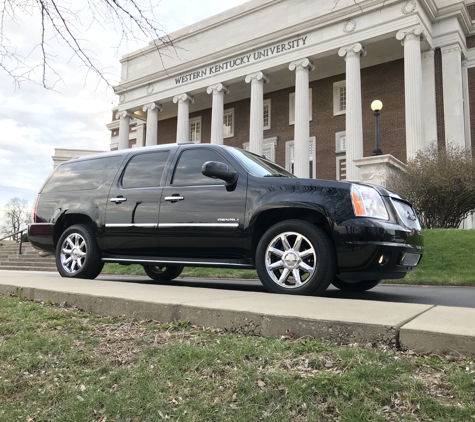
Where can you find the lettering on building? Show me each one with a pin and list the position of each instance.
(242, 60)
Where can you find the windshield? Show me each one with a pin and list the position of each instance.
(259, 166)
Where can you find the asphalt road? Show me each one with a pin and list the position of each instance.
(433, 295)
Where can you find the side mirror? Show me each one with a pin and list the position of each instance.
(218, 170)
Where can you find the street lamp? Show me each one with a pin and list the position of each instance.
(376, 106)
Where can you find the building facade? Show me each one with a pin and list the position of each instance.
(295, 79)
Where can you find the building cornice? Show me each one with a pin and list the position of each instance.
(339, 16)
(458, 10)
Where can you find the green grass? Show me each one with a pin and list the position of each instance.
(59, 364)
(448, 260)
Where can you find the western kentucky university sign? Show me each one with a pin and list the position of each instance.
(241, 60)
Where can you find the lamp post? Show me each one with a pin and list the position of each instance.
(376, 106)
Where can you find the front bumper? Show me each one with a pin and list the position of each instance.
(377, 250)
(41, 236)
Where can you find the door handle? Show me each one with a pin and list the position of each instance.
(174, 198)
(118, 200)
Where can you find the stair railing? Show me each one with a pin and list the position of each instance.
(20, 232)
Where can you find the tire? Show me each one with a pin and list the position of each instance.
(359, 286)
(77, 253)
(163, 272)
(308, 266)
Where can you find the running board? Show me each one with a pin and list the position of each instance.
(184, 262)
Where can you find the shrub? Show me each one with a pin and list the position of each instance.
(440, 184)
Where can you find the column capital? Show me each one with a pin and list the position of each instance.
(183, 98)
(428, 53)
(152, 106)
(352, 49)
(303, 63)
(124, 114)
(259, 76)
(451, 48)
(218, 88)
(415, 32)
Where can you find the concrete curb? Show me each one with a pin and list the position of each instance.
(422, 328)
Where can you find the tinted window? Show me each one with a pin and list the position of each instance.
(145, 170)
(259, 166)
(83, 175)
(188, 169)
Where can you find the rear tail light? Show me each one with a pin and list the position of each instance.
(35, 218)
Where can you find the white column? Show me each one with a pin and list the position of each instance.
(183, 121)
(124, 129)
(302, 117)
(428, 90)
(411, 39)
(256, 129)
(217, 112)
(152, 110)
(139, 142)
(466, 105)
(453, 94)
(354, 116)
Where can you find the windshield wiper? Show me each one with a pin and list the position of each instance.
(275, 175)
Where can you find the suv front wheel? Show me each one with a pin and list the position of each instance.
(359, 286)
(295, 257)
(77, 253)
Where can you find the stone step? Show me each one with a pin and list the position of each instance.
(19, 268)
(27, 263)
(27, 258)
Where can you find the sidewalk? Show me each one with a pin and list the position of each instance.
(422, 328)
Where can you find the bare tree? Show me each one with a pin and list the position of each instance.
(17, 214)
(440, 184)
(67, 22)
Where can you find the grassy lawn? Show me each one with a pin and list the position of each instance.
(60, 364)
(448, 260)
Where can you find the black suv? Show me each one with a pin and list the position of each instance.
(177, 205)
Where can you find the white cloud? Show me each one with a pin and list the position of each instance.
(34, 121)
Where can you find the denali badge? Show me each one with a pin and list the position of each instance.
(226, 220)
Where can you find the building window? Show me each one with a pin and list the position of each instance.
(341, 168)
(195, 130)
(289, 157)
(339, 98)
(267, 114)
(228, 123)
(340, 141)
(292, 106)
(268, 148)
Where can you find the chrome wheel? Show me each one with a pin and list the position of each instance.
(290, 260)
(73, 253)
(295, 257)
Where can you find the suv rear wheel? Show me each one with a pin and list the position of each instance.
(295, 257)
(77, 253)
(162, 272)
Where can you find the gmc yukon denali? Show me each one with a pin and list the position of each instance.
(170, 206)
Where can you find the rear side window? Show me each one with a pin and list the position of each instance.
(83, 175)
(145, 170)
(188, 169)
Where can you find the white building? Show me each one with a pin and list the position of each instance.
(294, 80)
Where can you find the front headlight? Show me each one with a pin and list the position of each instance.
(367, 202)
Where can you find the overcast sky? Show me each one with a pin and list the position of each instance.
(34, 121)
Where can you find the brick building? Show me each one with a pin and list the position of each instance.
(294, 80)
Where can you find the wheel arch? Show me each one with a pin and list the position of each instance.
(67, 220)
(267, 218)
